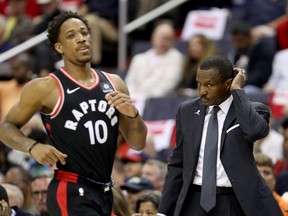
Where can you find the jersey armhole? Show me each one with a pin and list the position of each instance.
(60, 100)
(111, 80)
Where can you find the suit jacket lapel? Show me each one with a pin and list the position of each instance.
(197, 120)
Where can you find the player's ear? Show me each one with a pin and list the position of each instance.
(58, 48)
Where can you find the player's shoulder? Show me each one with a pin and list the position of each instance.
(119, 82)
(41, 84)
(115, 78)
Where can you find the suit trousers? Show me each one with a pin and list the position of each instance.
(226, 205)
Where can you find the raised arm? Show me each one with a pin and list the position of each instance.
(131, 124)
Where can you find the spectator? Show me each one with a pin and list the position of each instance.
(135, 187)
(282, 165)
(281, 34)
(156, 72)
(279, 76)
(265, 167)
(147, 203)
(18, 26)
(50, 9)
(199, 48)
(21, 68)
(21, 178)
(282, 184)
(263, 16)
(120, 203)
(133, 162)
(155, 171)
(39, 186)
(5, 164)
(5, 209)
(103, 18)
(277, 85)
(142, 7)
(255, 56)
(118, 174)
(32, 9)
(4, 46)
(16, 200)
(22, 72)
(272, 144)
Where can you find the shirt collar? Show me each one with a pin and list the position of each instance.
(225, 105)
(13, 213)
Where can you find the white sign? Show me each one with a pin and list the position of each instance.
(210, 23)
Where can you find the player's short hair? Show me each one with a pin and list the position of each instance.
(56, 23)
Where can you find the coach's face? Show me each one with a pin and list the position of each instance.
(212, 89)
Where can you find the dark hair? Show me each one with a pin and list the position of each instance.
(150, 196)
(220, 63)
(55, 25)
(242, 28)
(284, 124)
(3, 194)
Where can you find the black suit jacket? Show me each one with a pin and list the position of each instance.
(20, 212)
(245, 123)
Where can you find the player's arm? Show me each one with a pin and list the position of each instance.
(33, 98)
(131, 124)
(19, 115)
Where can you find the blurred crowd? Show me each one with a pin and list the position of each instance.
(161, 72)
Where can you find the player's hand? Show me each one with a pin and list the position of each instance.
(239, 79)
(47, 155)
(122, 102)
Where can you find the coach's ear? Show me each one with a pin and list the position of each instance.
(58, 48)
(228, 83)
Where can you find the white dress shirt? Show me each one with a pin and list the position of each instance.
(13, 213)
(222, 178)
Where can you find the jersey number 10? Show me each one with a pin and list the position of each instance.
(98, 131)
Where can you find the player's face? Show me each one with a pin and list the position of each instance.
(74, 42)
(212, 89)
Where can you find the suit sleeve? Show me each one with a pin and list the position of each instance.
(173, 181)
(252, 116)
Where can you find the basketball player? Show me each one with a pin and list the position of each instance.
(82, 110)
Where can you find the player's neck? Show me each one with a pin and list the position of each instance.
(80, 72)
